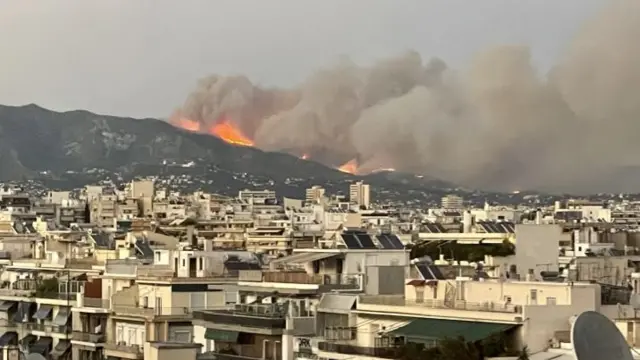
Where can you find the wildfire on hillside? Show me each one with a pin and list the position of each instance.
(229, 133)
(350, 167)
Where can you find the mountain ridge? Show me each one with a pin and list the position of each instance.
(37, 143)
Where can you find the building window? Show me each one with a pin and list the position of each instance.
(145, 302)
(534, 296)
(201, 263)
(551, 301)
(158, 256)
(184, 263)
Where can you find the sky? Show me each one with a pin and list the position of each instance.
(141, 58)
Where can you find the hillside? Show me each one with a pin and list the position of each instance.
(69, 149)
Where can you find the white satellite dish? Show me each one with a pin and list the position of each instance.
(595, 337)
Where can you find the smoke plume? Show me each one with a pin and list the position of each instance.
(498, 124)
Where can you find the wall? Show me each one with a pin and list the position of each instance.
(537, 248)
(383, 280)
(540, 322)
(156, 297)
(129, 333)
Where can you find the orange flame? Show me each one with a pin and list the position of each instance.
(351, 167)
(187, 124)
(229, 133)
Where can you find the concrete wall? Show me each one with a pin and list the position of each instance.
(537, 248)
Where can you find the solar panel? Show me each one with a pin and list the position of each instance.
(395, 241)
(383, 239)
(437, 274)
(510, 227)
(351, 241)
(424, 271)
(144, 248)
(366, 241)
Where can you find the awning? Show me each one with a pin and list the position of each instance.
(44, 312)
(428, 330)
(221, 335)
(61, 348)
(23, 311)
(9, 338)
(42, 346)
(336, 304)
(28, 340)
(7, 305)
(62, 318)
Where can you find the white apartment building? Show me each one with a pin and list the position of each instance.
(360, 194)
(452, 202)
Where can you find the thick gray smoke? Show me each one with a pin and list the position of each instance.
(498, 124)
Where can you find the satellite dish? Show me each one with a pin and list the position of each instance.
(595, 337)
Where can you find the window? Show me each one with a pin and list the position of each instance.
(184, 262)
(551, 301)
(534, 296)
(419, 294)
(145, 302)
(158, 255)
(201, 263)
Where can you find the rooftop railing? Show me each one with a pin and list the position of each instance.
(442, 304)
(89, 337)
(379, 352)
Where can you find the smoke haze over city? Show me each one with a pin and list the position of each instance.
(498, 123)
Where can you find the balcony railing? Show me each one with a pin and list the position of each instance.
(89, 337)
(219, 356)
(379, 352)
(243, 316)
(133, 349)
(442, 304)
(7, 323)
(299, 277)
(96, 303)
(59, 329)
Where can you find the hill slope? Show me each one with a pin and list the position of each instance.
(65, 149)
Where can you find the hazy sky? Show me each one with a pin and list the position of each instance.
(140, 58)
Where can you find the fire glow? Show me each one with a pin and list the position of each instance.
(229, 133)
(223, 130)
(350, 167)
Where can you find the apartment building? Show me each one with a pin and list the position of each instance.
(154, 303)
(279, 304)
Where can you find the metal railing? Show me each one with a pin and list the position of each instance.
(242, 318)
(59, 329)
(379, 352)
(219, 356)
(89, 337)
(300, 277)
(134, 349)
(442, 304)
(96, 303)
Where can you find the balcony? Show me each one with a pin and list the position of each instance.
(441, 304)
(301, 277)
(88, 337)
(96, 303)
(265, 316)
(58, 329)
(150, 312)
(123, 350)
(348, 349)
